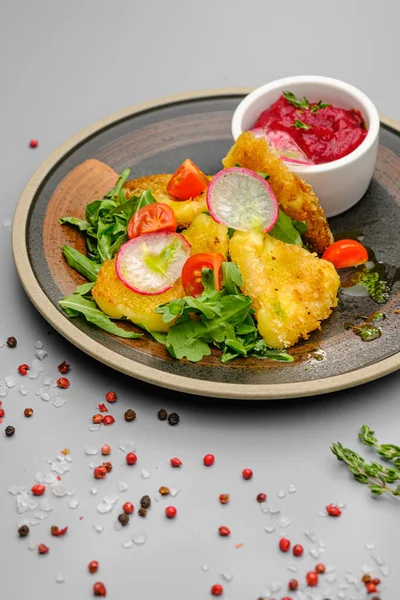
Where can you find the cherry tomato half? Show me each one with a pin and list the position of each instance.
(187, 182)
(346, 253)
(192, 271)
(153, 218)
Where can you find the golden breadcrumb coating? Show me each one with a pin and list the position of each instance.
(292, 289)
(295, 196)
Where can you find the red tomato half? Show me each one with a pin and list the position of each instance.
(187, 182)
(192, 271)
(153, 218)
(346, 253)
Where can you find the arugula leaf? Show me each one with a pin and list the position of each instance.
(76, 305)
(84, 290)
(224, 319)
(231, 277)
(287, 230)
(117, 194)
(81, 263)
(297, 102)
(83, 225)
(128, 208)
(185, 340)
(300, 125)
(160, 337)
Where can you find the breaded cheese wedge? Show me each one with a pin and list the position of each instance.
(292, 290)
(294, 195)
(185, 210)
(117, 301)
(206, 235)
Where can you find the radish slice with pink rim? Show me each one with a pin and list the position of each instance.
(242, 200)
(151, 263)
(284, 146)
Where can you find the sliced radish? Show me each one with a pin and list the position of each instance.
(284, 146)
(151, 263)
(242, 200)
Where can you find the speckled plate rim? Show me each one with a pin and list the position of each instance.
(125, 365)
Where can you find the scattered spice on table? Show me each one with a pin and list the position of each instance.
(108, 466)
(145, 502)
(284, 544)
(175, 462)
(162, 414)
(11, 342)
(164, 491)
(23, 531)
(224, 498)
(123, 518)
(333, 511)
(209, 460)
(130, 415)
(63, 367)
(93, 566)
(312, 578)
(38, 489)
(131, 458)
(173, 418)
(142, 512)
(28, 412)
(102, 408)
(63, 383)
(23, 369)
(56, 532)
(298, 550)
(247, 473)
(9, 430)
(224, 531)
(43, 549)
(170, 512)
(111, 397)
(217, 590)
(108, 420)
(261, 497)
(33, 143)
(97, 418)
(128, 508)
(100, 472)
(99, 589)
(105, 449)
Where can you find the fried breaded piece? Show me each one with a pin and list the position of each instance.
(295, 196)
(206, 235)
(117, 301)
(185, 210)
(292, 289)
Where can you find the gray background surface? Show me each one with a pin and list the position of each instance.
(63, 66)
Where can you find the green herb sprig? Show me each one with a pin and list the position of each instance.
(297, 102)
(300, 125)
(376, 476)
(387, 451)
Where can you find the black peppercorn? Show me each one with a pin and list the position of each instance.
(142, 512)
(11, 342)
(162, 414)
(23, 531)
(145, 502)
(130, 415)
(173, 419)
(123, 518)
(9, 430)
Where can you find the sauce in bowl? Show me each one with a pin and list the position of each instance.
(322, 132)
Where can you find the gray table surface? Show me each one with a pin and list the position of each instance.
(63, 66)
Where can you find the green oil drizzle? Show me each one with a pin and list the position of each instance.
(366, 330)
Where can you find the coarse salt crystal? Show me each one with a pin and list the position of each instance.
(122, 486)
(41, 354)
(94, 427)
(127, 544)
(205, 568)
(291, 489)
(139, 539)
(23, 391)
(104, 508)
(227, 575)
(384, 570)
(59, 402)
(282, 494)
(60, 578)
(270, 528)
(98, 528)
(174, 491)
(145, 474)
(59, 490)
(284, 522)
(10, 381)
(39, 344)
(91, 450)
(94, 491)
(74, 503)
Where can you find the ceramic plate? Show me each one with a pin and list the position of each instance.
(156, 138)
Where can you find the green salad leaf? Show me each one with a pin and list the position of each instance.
(77, 305)
(297, 102)
(81, 263)
(107, 220)
(287, 230)
(222, 319)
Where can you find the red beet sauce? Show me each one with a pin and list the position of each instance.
(333, 133)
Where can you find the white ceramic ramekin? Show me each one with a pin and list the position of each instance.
(339, 184)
